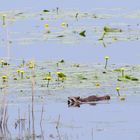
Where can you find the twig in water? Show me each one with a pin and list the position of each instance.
(58, 121)
(29, 119)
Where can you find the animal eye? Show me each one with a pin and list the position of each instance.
(72, 100)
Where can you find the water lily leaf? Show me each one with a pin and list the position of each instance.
(129, 77)
(108, 29)
(60, 36)
(83, 33)
(45, 11)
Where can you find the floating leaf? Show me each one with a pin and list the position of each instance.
(60, 36)
(108, 29)
(131, 78)
(83, 33)
(45, 11)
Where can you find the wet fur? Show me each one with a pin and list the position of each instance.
(76, 101)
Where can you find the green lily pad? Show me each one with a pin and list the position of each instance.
(129, 77)
(83, 33)
(108, 29)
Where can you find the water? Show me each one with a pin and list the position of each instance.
(119, 119)
(28, 34)
(29, 40)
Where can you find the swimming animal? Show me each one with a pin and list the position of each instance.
(77, 100)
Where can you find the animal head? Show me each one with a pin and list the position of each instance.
(74, 101)
(107, 97)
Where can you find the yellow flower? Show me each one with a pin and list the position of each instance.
(49, 78)
(31, 66)
(46, 25)
(63, 24)
(122, 69)
(106, 57)
(97, 84)
(18, 71)
(117, 88)
(4, 77)
(22, 72)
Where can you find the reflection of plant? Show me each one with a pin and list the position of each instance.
(48, 78)
(118, 91)
(76, 16)
(106, 61)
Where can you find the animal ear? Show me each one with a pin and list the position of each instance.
(77, 98)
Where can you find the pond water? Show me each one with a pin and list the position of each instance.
(29, 36)
(110, 119)
(25, 38)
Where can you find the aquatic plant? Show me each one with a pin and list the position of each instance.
(59, 36)
(63, 24)
(4, 19)
(106, 61)
(118, 90)
(22, 73)
(124, 77)
(18, 71)
(4, 78)
(108, 29)
(102, 37)
(48, 78)
(122, 71)
(57, 9)
(129, 77)
(83, 33)
(46, 25)
(15, 78)
(31, 66)
(46, 11)
(2, 63)
(61, 76)
(97, 85)
(76, 15)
